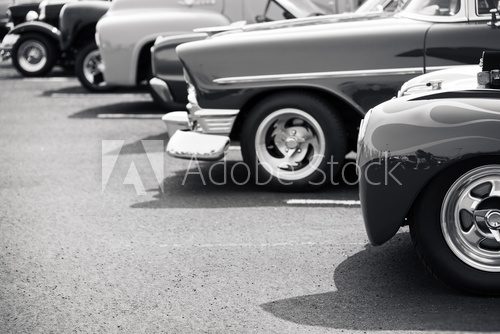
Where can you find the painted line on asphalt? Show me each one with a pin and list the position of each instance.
(87, 95)
(262, 245)
(323, 202)
(129, 116)
(52, 79)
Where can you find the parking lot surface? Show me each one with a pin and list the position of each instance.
(81, 255)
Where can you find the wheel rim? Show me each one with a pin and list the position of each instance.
(32, 56)
(93, 69)
(470, 218)
(290, 144)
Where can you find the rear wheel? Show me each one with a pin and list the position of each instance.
(34, 55)
(89, 69)
(293, 141)
(456, 229)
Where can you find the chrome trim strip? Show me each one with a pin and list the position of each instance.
(333, 74)
(319, 75)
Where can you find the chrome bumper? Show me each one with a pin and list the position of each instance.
(174, 121)
(161, 89)
(208, 141)
(194, 145)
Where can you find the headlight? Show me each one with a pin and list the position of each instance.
(421, 87)
(31, 16)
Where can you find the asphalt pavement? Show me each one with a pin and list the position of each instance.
(80, 252)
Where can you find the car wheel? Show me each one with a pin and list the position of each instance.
(456, 229)
(89, 69)
(293, 141)
(34, 55)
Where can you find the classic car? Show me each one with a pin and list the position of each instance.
(168, 86)
(293, 97)
(36, 46)
(431, 160)
(128, 31)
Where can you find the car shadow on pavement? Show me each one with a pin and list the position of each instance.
(122, 108)
(76, 90)
(218, 185)
(386, 288)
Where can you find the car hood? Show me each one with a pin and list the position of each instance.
(300, 22)
(454, 78)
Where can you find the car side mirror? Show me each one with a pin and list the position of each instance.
(494, 19)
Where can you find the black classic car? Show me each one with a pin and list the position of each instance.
(168, 85)
(37, 46)
(293, 97)
(431, 159)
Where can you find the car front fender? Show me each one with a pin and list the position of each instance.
(405, 143)
(38, 27)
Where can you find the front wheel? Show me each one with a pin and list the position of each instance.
(293, 141)
(34, 55)
(89, 69)
(456, 229)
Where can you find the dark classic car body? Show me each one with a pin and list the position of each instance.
(431, 160)
(44, 45)
(348, 66)
(167, 68)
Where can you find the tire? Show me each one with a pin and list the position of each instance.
(301, 125)
(88, 69)
(42, 59)
(442, 241)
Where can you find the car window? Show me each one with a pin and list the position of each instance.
(433, 7)
(484, 6)
(276, 13)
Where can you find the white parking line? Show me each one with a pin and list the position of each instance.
(262, 245)
(129, 116)
(52, 79)
(323, 202)
(86, 95)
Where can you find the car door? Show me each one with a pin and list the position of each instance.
(461, 43)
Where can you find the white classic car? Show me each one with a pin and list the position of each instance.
(127, 32)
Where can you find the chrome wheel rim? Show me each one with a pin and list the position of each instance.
(32, 56)
(470, 218)
(93, 69)
(290, 144)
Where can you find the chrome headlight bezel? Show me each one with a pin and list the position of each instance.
(422, 87)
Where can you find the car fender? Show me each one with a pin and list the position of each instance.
(123, 36)
(415, 139)
(79, 16)
(38, 27)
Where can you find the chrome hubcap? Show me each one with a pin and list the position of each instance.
(32, 56)
(93, 69)
(290, 144)
(470, 218)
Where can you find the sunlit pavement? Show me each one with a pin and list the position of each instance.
(81, 255)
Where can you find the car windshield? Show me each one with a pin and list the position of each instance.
(432, 7)
(304, 8)
(371, 6)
